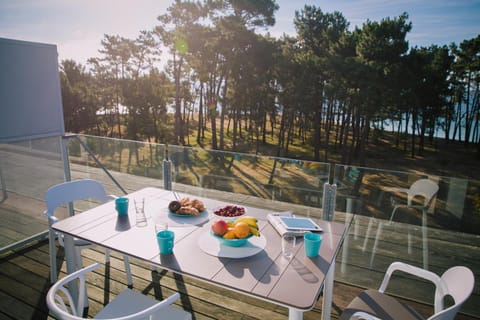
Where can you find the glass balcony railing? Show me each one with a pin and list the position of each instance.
(27, 169)
(443, 234)
(200, 171)
(438, 235)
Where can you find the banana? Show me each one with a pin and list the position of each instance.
(251, 221)
(254, 231)
(249, 218)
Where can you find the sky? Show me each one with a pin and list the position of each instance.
(78, 26)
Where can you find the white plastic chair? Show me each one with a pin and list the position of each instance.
(127, 305)
(457, 282)
(65, 193)
(425, 189)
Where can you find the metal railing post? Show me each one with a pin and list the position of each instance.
(167, 171)
(328, 202)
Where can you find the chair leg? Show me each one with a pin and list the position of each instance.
(374, 249)
(367, 234)
(53, 256)
(126, 261)
(425, 239)
(395, 210)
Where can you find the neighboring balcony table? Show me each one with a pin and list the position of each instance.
(296, 283)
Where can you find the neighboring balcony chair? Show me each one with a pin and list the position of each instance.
(422, 188)
(425, 188)
(457, 282)
(65, 193)
(127, 305)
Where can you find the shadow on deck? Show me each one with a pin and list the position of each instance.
(24, 279)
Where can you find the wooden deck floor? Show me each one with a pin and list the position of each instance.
(24, 281)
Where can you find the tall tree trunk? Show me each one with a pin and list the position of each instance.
(346, 129)
(264, 128)
(200, 116)
(317, 120)
(467, 110)
(423, 126)
(414, 122)
(178, 130)
(281, 136)
(222, 113)
(405, 141)
(363, 141)
(235, 127)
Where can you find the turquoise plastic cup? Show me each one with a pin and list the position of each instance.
(312, 242)
(165, 240)
(121, 205)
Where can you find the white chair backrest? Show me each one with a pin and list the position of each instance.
(71, 191)
(459, 282)
(63, 306)
(423, 187)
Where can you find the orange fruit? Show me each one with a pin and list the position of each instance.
(230, 234)
(241, 230)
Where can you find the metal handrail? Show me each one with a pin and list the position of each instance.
(99, 164)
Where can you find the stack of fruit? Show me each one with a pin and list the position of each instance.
(240, 228)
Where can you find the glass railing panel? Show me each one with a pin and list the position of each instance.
(437, 237)
(218, 174)
(133, 164)
(276, 179)
(27, 169)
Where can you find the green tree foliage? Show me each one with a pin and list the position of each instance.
(328, 88)
(79, 102)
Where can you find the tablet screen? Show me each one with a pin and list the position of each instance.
(297, 223)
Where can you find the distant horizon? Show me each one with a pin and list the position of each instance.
(78, 26)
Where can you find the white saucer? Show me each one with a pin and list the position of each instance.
(213, 247)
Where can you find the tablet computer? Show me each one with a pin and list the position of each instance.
(299, 223)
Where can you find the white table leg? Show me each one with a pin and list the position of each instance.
(295, 314)
(71, 265)
(328, 292)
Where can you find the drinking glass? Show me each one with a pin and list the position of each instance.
(141, 219)
(160, 226)
(288, 245)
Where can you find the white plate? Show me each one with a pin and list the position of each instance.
(179, 215)
(213, 247)
(176, 221)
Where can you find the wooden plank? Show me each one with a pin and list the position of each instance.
(25, 273)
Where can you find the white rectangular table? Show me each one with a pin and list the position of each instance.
(296, 283)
